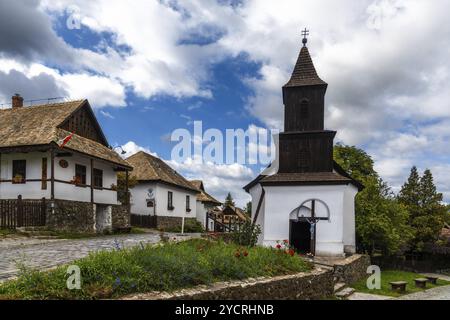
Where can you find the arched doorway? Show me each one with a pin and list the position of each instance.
(303, 224)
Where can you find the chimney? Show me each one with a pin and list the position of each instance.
(17, 101)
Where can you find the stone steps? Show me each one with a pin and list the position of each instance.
(345, 293)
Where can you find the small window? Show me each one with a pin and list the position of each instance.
(98, 178)
(188, 203)
(304, 109)
(170, 200)
(19, 174)
(80, 174)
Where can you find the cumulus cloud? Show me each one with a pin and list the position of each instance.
(130, 148)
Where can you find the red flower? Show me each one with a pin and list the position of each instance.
(286, 241)
(245, 253)
(291, 252)
(237, 254)
(278, 246)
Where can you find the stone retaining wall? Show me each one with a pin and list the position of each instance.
(120, 217)
(163, 223)
(70, 216)
(352, 269)
(303, 286)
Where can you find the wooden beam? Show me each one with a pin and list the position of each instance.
(261, 198)
(92, 180)
(52, 174)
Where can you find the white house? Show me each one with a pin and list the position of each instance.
(305, 197)
(161, 192)
(205, 203)
(78, 180)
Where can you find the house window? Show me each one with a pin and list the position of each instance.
(188, 204)
(80, 174)
(170, 200)
(98, 178)
(19, 174)
(304, 109)
(44, 174)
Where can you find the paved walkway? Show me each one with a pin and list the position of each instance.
(46, 254)
(439, 293)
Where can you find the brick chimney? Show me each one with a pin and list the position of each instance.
(17, 101)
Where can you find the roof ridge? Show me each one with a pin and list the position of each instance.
(45, 105)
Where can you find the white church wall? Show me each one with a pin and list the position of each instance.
(255, 193)
(281, 200)
(349, 219)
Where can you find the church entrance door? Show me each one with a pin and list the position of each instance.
(300, 236)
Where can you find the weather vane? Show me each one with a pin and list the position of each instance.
(305, 34)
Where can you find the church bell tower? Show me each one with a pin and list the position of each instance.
(305, 146)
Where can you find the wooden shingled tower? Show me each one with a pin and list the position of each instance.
(305, 146)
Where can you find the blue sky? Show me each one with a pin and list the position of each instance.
(149, 67)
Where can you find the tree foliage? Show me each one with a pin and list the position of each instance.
(424, 203)
(121, 186)
(381, 221)
(229, 201)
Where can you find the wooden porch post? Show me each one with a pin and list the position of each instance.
(92, 181)
(52, 173)
(313, 228)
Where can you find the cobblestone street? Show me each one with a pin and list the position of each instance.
(47, 254)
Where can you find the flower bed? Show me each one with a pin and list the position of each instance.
(111, 274)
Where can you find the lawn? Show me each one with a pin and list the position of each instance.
(111, 274)
(6, 232)
(394, 275)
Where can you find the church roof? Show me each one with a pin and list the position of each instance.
(338, 176)
(150, 168)
(304, 73)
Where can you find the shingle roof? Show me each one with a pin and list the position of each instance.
(204, 196)
(38, 125)
(149, 168)
(304, 73)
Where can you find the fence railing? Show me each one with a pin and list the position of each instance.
(22, 213)
(222, 225)
(143, 221)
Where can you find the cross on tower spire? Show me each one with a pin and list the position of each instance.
(305, 34)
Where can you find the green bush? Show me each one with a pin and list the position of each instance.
(247, 235)
(111, 274)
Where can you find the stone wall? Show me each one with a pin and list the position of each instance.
(315, 285)
(120, 217)
(70, 216)
(352, 269)
(163, 223)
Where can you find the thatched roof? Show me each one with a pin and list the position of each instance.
(40, 125)
(204, 196)
(148, 168)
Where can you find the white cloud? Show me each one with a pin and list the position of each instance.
(132, 148)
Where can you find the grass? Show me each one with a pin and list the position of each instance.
(394, 275)
(6, 232)
(112, 274)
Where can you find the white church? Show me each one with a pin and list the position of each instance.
(305, 196)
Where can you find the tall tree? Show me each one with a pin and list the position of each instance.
(229, 201)
(381, 222)
(248, 209)
(427, 212)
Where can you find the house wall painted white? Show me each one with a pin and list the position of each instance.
(202, 210)
(63, 191)
(333, 237)
(139, 196)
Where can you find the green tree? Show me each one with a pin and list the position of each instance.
(121, 187)
(424, 203)
(248, 209)
(229, 201)
(381, 221)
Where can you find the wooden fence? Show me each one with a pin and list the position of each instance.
(143, 221)
(22, 213)
(222, 225)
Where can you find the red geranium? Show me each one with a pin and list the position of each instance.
(278, 246)
(291, 252)
(245, 253)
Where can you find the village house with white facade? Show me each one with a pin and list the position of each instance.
(305, 196)
(55, 159)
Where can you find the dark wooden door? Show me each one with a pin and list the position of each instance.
(300, 236)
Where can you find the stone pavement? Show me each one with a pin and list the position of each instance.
(46, 254)
(367, 296)
(439, 293)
